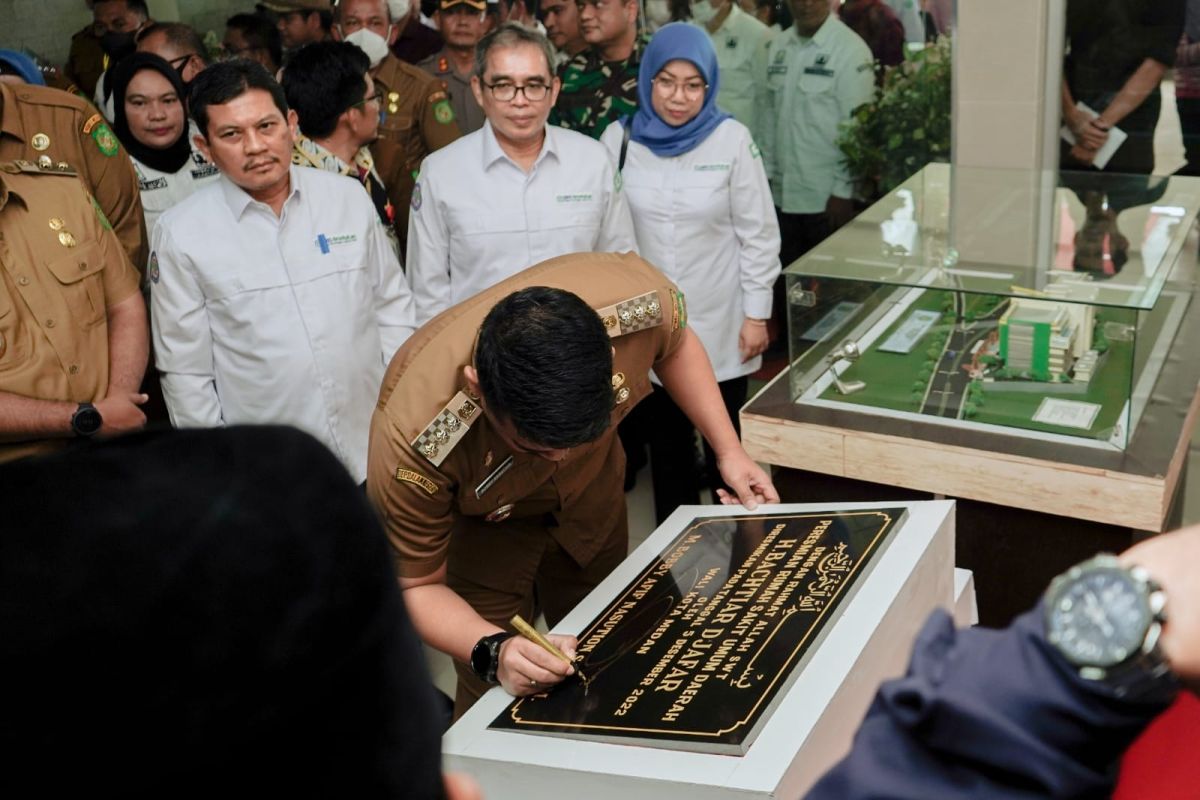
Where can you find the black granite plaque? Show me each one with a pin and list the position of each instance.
(696, 650)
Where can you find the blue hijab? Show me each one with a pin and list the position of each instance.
(678, 40)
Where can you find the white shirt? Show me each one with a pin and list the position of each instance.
(811, 87)
(162, 190)
(741, 45)
(478, 218)
(288, 320)
(909, 14)
(705, 219)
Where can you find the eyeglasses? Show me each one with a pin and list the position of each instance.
(376, 98)
(178, 63)
(691, 89)
(507, 92)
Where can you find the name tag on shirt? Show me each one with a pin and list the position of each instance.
(823, 71)
(711, 168)
(327, 243)
(581, 197)
(205, 171)
(147, 186)
(777, 69)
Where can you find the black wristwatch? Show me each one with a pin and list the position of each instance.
(1105, 619)
(86, 420)
(485, 656)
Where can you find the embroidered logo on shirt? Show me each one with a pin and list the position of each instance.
(154, 274)
(416, 198)
(581, 197)
(411, 476)
(205, 171)
(157, 183)
(326, 243)
(711, 168)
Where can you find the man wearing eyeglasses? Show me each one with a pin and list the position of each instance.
(515, 192)
(599, 85)
(415, 113)
(177, 44)
(337, 104)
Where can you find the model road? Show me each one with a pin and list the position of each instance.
(947, 392)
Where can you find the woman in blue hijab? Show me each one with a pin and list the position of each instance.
(703, 214)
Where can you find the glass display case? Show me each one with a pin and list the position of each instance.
(916, 313)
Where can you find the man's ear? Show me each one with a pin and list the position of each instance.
(472, 378)
(202, 145)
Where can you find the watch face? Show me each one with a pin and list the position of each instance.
(86, 421)
(1098, 618)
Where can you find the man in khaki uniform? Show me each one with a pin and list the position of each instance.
(51, 127)
(417, 115)
(494, 457)
(73, 327)
(463, 23)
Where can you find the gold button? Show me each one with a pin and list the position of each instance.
(82, 266)
(40, 141)
(622, 394)
(56, 224)
(73, 369)
(23, 280)
(49, 323)
(66, 239)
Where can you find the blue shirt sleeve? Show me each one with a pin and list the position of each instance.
(990, 714)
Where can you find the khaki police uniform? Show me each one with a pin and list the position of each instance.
(467, 112)
(61, 269)
(452, 491)
(417, 119)
(48, 126)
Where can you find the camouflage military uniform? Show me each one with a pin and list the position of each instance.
(595, 92)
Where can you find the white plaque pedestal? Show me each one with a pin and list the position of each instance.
(811, 727)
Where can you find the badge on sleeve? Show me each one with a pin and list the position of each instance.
(105, 140)
(417, 479)
(416, 198)
(754, 151)
(154, 274)
(442, 112)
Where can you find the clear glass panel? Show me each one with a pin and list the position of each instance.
(886, 317)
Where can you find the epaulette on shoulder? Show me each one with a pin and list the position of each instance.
(46, 167)
(632, 315)
(446, 429)
(47, 96)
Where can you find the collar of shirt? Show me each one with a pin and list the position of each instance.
(823, 34)
(492, 152)
(730, 20)
(310, 152)
(239, 199)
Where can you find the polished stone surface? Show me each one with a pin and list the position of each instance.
(693, 652)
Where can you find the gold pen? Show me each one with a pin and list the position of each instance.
(528, 631)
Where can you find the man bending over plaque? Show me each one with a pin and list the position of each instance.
(495, 462)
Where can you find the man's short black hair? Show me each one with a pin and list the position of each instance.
(227, 81)
(260, 34)
(545, 364)
(321, 81)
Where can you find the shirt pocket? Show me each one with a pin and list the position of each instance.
(704, 191)
(812, 83)
(568, 209)
(228, 287)
(79, 274)
(13, 341)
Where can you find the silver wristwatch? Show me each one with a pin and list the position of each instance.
(1105, 618)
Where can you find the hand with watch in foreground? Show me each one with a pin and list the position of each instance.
(1045, 707)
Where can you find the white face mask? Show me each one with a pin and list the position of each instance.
(371, 43)
(703, 12)
(658, 13)
(399, 8)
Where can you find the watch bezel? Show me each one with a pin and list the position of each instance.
(86, 420)
(485, 656)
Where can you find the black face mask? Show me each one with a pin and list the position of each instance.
(118, 44)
